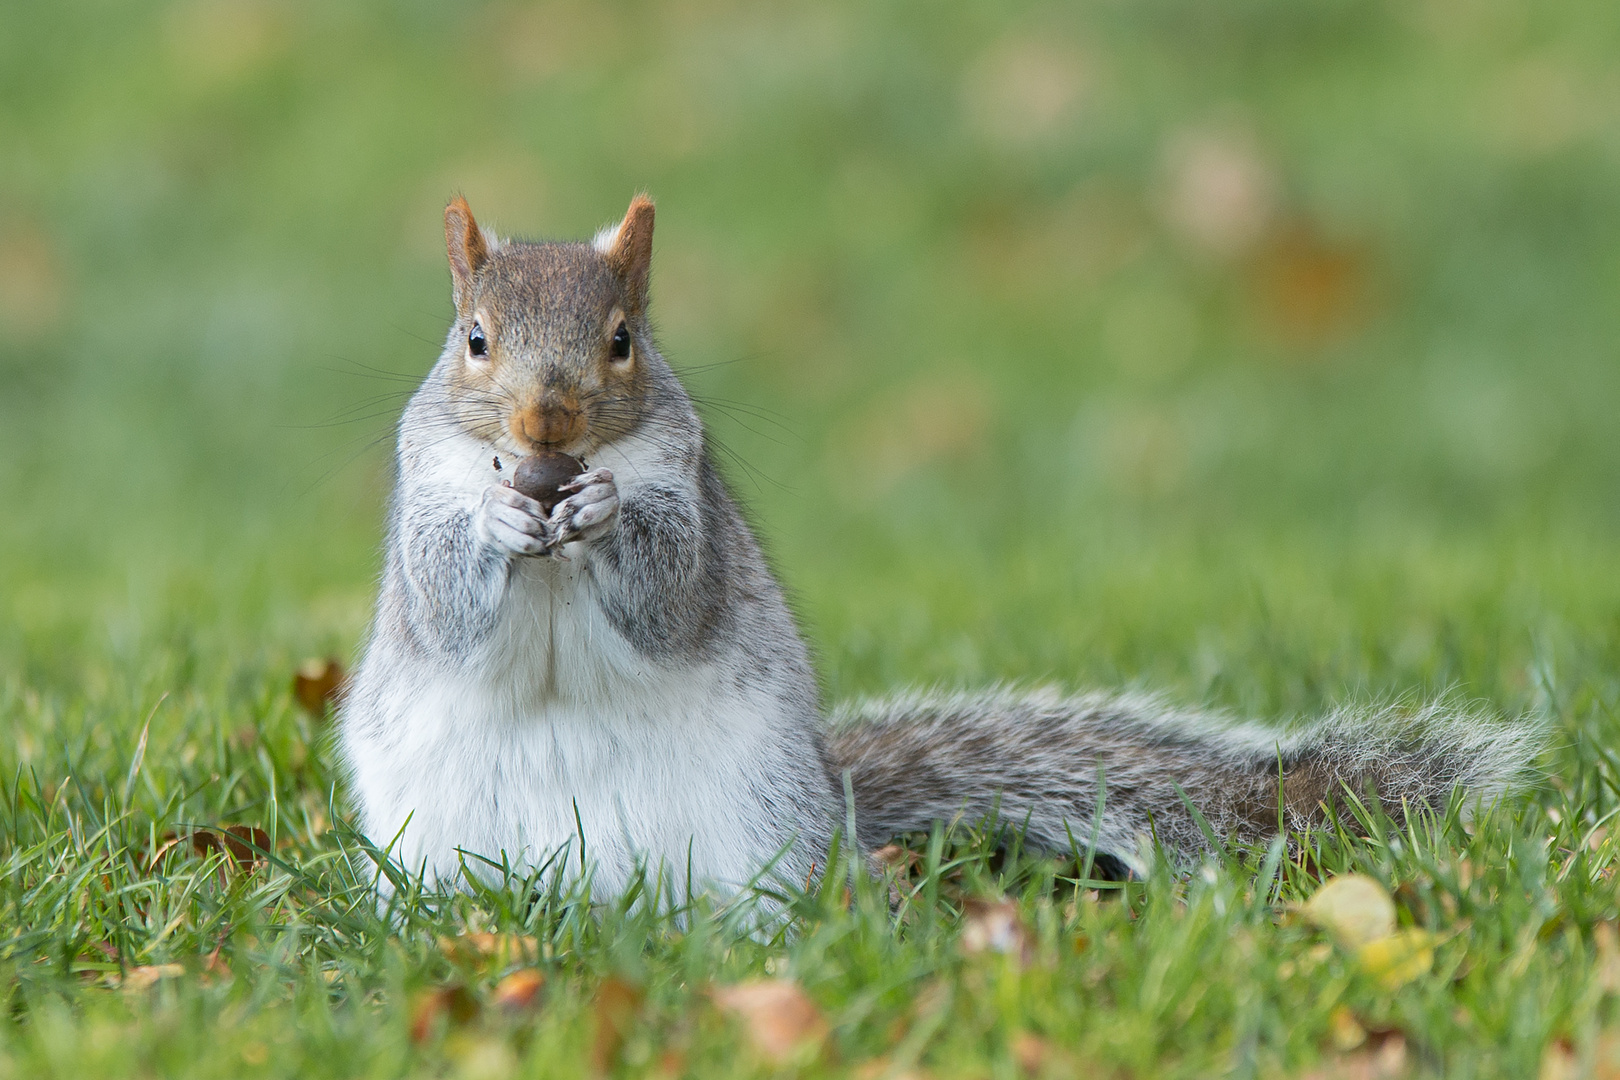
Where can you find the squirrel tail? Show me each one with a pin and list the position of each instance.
(1034, 761)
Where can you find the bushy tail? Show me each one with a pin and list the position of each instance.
(1034, 759)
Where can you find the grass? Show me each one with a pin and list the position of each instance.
(1014, 393)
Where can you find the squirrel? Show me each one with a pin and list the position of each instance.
(624, 671)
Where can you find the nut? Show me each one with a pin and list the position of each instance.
(540, 475)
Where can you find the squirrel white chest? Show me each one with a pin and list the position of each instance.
(559, 726)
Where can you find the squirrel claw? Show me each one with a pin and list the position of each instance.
(585, 479)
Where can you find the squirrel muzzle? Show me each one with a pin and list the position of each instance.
(551, 423)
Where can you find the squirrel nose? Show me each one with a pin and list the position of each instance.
(548, 423)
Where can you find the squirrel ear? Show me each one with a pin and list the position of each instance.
(628, 248)
(465, 243)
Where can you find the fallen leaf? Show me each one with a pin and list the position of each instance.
(1397, 959)
(881, 1068)
(1559, 1062)
(994, 926)
(615, 1008)
(518, 990)
(778, 1016)
(895, 857)
(1030, 1051)
(244, 844)
(1345, 1030)
(503, 950)
(139, 978)
(1354, 908)
(1309, 290)
(1608, 957)
(1381, 1059)
(214, 969)
(318, 684)
(455, 1004)
(1220, 189)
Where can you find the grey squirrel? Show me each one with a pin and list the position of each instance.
(622, 673)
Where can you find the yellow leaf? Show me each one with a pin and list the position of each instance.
(1345, 1030)
(139, 978)
(1354, 908)
(1399, 958)
(503, 949)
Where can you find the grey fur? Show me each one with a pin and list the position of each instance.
(679, 576)
(1034, 760)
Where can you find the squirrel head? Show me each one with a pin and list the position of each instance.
(551, 347)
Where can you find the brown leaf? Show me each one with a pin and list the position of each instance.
(1030, 1051)
(1310, 291)
(994, 926)
(318, 684)
(139, 978)
(1383, 1058)
(615, 1008)
(518, 990)
(1608, 957)
(501, 950)
(214, 969)
(245, 845)
(881, 1068)
(778, 1016)
(453, 1004)
(1559, 1061)
(893, 856)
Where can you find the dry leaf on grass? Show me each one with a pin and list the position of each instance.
(1030, 1051)
(214, 969)
(245, 845)
(1381, 1059)
(1354, 908)
(1560, 1062)
(499, 950)
(994, 926)
(881, 1068)
(318, 684)
(140, 978)
(893, 856)
(1360, 915)
(454, 1004)
(1608, 957)
(1345, 1030)
(518, 990)
(1399, 958)
(615, 1008)
(778, 1016)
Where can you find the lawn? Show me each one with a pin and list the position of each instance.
(1263, 354)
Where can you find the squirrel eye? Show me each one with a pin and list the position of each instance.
(477, 343)
(621, 343)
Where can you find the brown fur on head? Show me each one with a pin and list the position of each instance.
(544, 364)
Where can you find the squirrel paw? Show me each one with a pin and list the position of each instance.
(590, 511)
(512, 521)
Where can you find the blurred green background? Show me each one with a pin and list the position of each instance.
(1264, 351)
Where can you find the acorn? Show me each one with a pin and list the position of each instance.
(540, 475)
